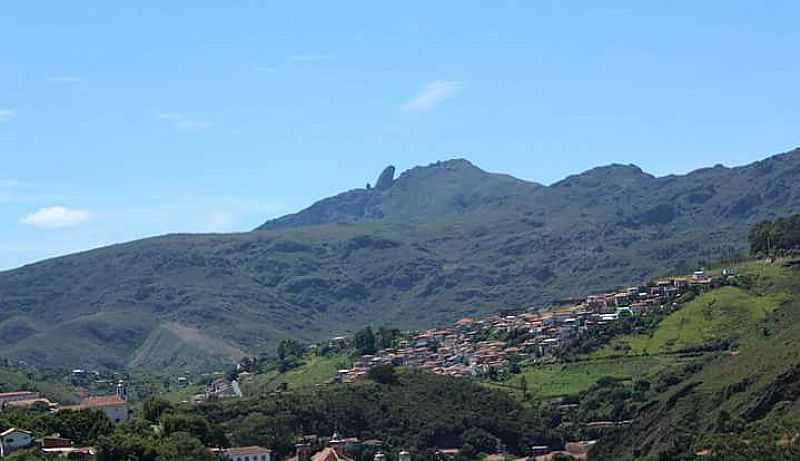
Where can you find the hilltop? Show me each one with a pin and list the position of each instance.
(432, 245)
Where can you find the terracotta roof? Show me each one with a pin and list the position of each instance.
(98, 402)
(329, 454)
(28, 402)
(16, 394)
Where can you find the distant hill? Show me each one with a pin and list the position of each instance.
(432, 245)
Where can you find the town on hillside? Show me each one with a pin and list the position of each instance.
(489, 346)
(472, 347)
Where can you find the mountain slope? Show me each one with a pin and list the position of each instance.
(735, 396)
(437, 243)
(449, 188)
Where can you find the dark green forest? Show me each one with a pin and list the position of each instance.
(777, 237)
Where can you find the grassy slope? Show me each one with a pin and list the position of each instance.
(757, 383)
(723, 314)
(315, 370)
(714, 315)
(555, 380)
(56, 390)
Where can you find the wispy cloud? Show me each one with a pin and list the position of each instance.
(432, 94)
(184, 121)
(7, 115)
(56, 217)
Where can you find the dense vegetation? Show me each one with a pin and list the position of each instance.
(740, 402)
(437, 243)
(777, 237)
(408, 410)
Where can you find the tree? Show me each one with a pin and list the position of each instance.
(290, 352)
(467, 453)
(126, 446)
(382, 374)
(289, 348)
(386, 337)
(83, 427)
(523, 384)
(26, 455)
(481, 440)
(258, 429)
(196, 426)
(181, 446)
(562, 457)
(153, 407)
(365, 341)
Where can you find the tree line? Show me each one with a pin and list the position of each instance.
(776, 237)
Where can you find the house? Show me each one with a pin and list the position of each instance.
(221, 388)
(254, 453)
(55, 441)
(333, 452)
(115, 407)
(540, 450)
(30, 403)
(446, 453)
(7, 397)
(14, 438)
(75, 453)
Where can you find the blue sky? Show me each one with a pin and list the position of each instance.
(132, 119)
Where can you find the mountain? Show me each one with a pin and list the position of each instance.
(449, 188)
(436, 243)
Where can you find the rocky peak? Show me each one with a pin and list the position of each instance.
(386, 179)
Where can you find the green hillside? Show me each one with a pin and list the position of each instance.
(751, 390)
(719, 315)
(433, 245)
(315, 370)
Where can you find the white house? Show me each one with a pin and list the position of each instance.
(246, 454)
(113, 406)
(13, 439)
(7, 397)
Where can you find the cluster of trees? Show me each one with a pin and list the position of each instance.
(412, 410)
(182, 436)
(367, 342)
(774, 238)
(83, 427)
(290, 354)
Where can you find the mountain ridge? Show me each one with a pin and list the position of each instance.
(437, 243)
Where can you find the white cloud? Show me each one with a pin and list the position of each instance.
(432, 94)
(56, 217)
(7, 115)
(184, 121)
